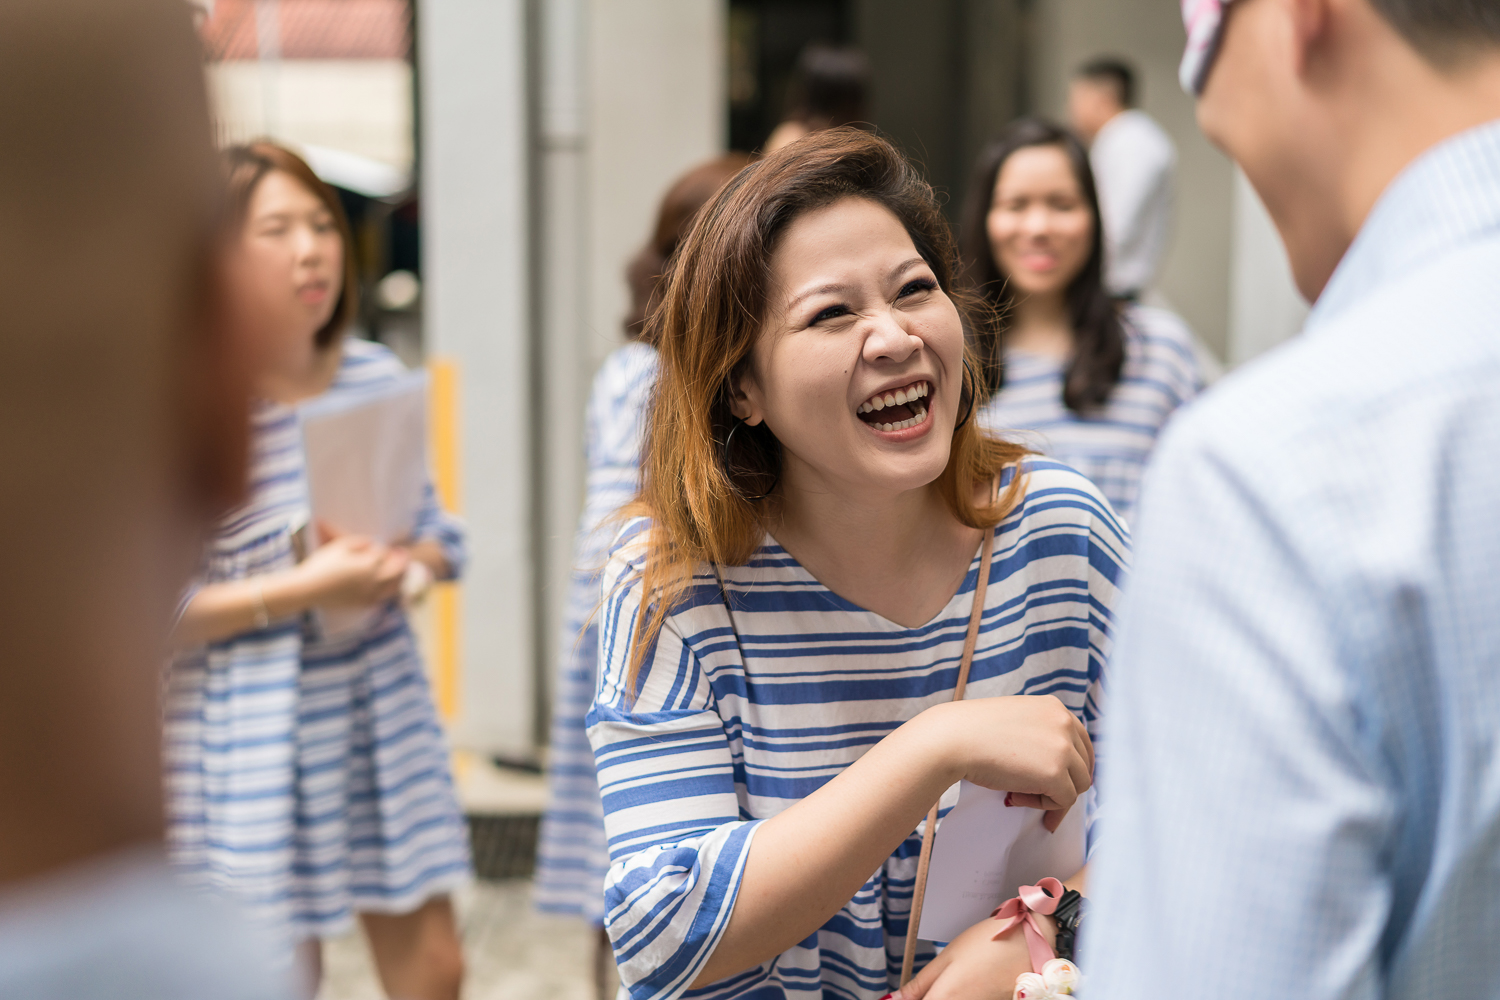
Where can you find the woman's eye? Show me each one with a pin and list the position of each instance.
(832, 312)
(919, 285)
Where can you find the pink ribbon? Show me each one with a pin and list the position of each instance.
(1023, 909)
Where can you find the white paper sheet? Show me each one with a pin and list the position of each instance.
(367, 466)
(985, 850)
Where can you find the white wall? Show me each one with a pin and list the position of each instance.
(630, 93)
(632, 96)
(361, 106)
(657, 106)
(1195, 278)
(474, 202)
(1265, 307)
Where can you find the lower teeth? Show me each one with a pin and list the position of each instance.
(911, 421)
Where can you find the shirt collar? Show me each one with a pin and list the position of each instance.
(1447, 196)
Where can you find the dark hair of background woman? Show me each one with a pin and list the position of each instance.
(1098, 333)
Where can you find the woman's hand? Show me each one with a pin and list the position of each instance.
(976, 966)
(351, 571)
(1029, 745)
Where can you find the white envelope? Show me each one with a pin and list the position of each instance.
(367, 466)
(985, 850)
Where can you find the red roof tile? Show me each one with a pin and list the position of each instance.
(313, 29)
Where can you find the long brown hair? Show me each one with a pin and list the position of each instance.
(712, 309)
(1098, 334)
(247, 166)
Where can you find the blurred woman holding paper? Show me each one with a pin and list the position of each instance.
(307, 773)
(823, 540)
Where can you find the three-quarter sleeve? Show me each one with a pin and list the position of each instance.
(667, 774)
(438, 525)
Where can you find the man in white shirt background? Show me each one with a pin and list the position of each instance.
(1133, 161)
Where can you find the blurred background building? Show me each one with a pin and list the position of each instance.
(502, 160)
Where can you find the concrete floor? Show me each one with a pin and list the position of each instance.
(513, 952)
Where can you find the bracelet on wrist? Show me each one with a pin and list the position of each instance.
(261, 612)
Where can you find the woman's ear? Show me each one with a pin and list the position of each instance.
(744, 397)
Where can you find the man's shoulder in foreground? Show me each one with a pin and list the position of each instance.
(122, 928)
(1361, 393)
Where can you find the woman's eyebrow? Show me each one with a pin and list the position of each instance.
(905, 266)
(809, 293)
(894, 273)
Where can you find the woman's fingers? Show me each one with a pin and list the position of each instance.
(1052, 819)
(922, 981)
(1084, 743)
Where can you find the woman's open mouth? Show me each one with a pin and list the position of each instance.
(897, 409)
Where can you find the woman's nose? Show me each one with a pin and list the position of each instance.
(1037, 221)
(306, 244)
(888, 340)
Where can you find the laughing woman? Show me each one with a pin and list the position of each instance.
(785, 616)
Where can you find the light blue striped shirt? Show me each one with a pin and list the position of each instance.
(1303, 785)
(739, 715)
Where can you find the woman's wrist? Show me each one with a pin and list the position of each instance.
(931, 735)
(284, 593)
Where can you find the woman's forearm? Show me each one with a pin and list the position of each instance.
(220, 610)
(807, 863)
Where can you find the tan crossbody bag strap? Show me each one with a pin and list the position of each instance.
(915, 920)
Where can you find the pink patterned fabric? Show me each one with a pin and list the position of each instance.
(1204, 21)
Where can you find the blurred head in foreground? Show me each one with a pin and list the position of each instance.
(679, 206)
(122, 433)
(1321, 102)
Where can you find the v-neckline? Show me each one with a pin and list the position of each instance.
(987, 537)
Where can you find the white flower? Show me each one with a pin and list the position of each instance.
(1030, 986)
(1061, 976)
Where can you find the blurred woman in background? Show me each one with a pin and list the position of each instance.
(571, 853)
(308, 776)
(1096, 378)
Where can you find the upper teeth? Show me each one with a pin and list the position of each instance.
(905, 394)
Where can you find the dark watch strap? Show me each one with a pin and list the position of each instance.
(1068, 914)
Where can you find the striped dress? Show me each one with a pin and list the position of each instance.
(1111, 445)
(571, 853)
(309, 777)
(379, 829)
(230, 741)
(741, 714)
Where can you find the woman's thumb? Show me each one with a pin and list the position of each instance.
(920, 983)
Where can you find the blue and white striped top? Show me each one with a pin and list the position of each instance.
(740, 715)
(571, 855)
(1111, 445)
